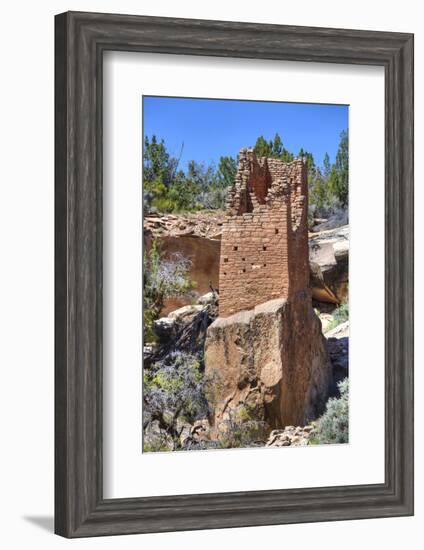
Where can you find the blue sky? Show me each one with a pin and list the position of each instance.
(210, 128)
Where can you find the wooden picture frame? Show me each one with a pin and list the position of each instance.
(81, 39)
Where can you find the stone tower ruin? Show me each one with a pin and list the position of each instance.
(264, 245)
(265, 351)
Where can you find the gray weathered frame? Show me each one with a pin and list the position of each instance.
(80, 40)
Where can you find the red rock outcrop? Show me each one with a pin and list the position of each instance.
(272, 359)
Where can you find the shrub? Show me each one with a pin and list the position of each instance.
(166, 188)
(163, 278)
(156, 440)
(340, 315)
(242, 429)
(342, 312)
(333, 426)
(173, 391)
(213, 198)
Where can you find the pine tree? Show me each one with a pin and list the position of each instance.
(342, 169)
(276, 147)
(326, 166)
(318, 193)
(262, 147)
(227, 169)
(273, 148)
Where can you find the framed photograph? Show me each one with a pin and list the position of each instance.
(234, 274)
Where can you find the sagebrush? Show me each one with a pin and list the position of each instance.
(333, 426)
(173, 394)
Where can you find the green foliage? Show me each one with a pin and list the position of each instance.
(227, 169)
(176, 391)
(242, 429)
(149, 317)
(318, 194)
(262, 147)
(162, 279)
(173, 389)
(173, 380)
(340, 315)
(329, 185)
(326, 166)
(160, 172)
(339, 176)
(309, 159)
(157, 442)
(166, 188)
(272, 149)
(333, 426)
(182, 196)
(158, 165)
(210, 185)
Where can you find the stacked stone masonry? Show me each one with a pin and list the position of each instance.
(264, 248)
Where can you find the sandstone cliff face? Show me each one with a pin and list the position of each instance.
(201, 244)
(329, 264)
(271, 359)
(203, 255)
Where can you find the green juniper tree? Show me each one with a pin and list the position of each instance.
(272, 149)
(170, 189)
(227, 169)
(340, 172)
(326, 166)
(160, 173)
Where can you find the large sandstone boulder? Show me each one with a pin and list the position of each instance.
(272, 360)
(329, 264)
